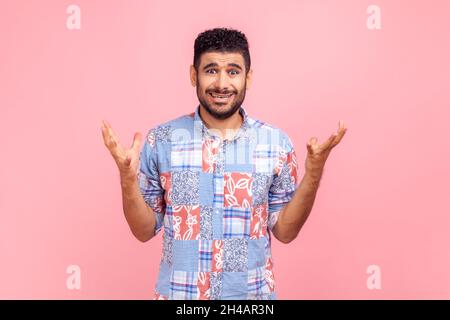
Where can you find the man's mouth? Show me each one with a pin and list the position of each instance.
(219, 97)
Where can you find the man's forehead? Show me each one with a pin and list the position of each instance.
(222, 58)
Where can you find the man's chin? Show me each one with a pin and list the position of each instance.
(224, 114)
(221, 108)
(219, 111)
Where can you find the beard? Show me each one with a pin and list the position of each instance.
(223, 112)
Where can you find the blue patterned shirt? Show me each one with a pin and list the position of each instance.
(217, 202)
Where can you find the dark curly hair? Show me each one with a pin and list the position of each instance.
(223, 40)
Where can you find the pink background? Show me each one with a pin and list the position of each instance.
(383, 199)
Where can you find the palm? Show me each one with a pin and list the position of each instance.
(127, 159)
(318, 153)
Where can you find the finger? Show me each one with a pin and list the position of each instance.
(104, 133)
(335, 137)
(341, 127)
(310, 150)
(113, 137)
(329, 141)
(340, 134)
(106, 123)
(339, 138)
(108, 127)
(113, 134)
(106, 136)
(110, 143)
(312, 141)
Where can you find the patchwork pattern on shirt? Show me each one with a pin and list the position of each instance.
(186, 155)
(216, 285)
(258, 222)
(205, 255)
(210, 149)
(183, 285)
(206, 222)
(186, 222)
(217, 202)
(260, 188)
(235, 255)
(257, 283)
(185, 188)
(265, 158)
(236, 222)
(238, 189)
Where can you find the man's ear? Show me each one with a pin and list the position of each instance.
(193, 75)
(249, 78)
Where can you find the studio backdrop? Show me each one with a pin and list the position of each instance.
(380, 225)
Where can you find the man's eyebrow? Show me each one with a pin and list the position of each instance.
(235, 65)
(213, 64)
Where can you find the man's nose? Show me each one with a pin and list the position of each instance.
(222, 81)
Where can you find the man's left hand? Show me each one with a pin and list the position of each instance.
(318, 153)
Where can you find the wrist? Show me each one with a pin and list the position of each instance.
(313, 175)
(127, 179)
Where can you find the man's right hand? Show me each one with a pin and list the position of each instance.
(127, 160)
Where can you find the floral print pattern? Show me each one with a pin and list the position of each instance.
(186, 222)
(238, 189)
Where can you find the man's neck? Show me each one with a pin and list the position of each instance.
(227, 128)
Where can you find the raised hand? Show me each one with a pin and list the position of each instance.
(318, 153)
(127, 160)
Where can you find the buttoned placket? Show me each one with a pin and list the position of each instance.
(221, 155)
(219, 167)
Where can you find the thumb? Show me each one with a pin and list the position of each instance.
(137, 139)
(311, 141)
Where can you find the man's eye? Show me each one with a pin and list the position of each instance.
(210, 71)
(234, 72)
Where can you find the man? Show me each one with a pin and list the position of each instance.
(218, 181)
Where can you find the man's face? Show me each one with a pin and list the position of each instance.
(221, 82)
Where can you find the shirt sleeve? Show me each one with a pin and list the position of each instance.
(149, 179)
(284, 183)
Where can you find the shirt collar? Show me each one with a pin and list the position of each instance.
(243, 130)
